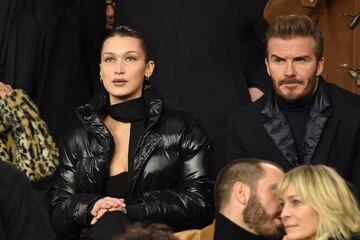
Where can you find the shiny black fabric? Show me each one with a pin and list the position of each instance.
(331, 136)
(278, 128)
(171, 176)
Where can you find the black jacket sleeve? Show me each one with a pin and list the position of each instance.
(190, 203)
(234, 148)
(69, 209)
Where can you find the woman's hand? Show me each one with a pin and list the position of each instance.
(106, 204)
(4, 89)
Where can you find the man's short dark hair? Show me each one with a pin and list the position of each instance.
(246, 170)
(289, 26)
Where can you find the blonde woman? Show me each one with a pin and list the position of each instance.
(317, 205)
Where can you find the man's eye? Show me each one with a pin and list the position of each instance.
(278, 60)
(300, 60)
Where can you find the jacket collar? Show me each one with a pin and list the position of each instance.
(278, 128)
(321, 103)
(91, 114)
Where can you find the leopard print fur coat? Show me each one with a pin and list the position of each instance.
(24, 138)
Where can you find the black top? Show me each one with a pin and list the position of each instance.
(297, 113)
(135, 112)
(118, 187)
(226, 229)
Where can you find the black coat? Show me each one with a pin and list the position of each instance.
(207, 54)
(22, 215)
(171, 169)
(332, 136)
(73, 33)
(51, 49)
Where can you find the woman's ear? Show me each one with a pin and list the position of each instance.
(150, 65)
(100, 78)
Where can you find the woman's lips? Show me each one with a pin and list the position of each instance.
(119, 82)
(290, 227)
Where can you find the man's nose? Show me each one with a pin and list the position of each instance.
(289, 70)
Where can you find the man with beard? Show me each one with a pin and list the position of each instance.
(304, 120)
(247, 208)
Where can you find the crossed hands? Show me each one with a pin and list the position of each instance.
(4, 89)
(107, 204)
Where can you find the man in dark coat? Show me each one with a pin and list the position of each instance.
(304, 120)
(22, 216)
(207, 54)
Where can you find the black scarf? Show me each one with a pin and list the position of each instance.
(135, 112)
(130, 111)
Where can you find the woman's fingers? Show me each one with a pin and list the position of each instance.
(100, 213)
(121, 209)
(107, 203)
(4, 89)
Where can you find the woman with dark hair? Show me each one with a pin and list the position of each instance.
(132, 158)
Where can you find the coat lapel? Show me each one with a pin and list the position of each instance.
(319, 114)
(279, 131)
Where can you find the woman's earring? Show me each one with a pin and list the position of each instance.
(147, 78)
(101, 80)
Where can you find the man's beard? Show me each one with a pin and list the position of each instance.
(309, 88)
(257, 219)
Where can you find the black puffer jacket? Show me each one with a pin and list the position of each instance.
(171, 169)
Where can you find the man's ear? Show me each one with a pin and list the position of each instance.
(267, 65)
(320, 67)
(241, 193)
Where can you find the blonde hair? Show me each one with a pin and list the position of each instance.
(328, 194)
